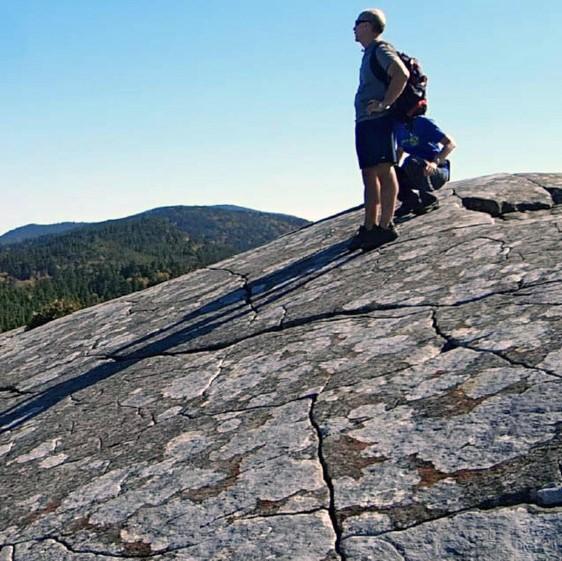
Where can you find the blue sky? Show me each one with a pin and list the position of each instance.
(111, 107)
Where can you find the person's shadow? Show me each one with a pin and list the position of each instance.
(229, 307)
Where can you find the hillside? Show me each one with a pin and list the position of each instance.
(198, 221)
(302, 403)
(231, 226)
(98, 262)
(31, 231)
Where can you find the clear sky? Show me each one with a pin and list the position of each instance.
(111, 107)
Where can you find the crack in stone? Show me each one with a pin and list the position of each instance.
(450, 342)
(389, 406)
(453, 343)
(508, 500)
(227, 515)
(498, 209)
(301, 398)
(141, 554)
(14, 390)
(172, 498)
(505, 248)
(546, 189)
(512, 361)
(327, 479)
(245, 409)
(334, 315)
(57, 363)
(447, 346)
(180, 493)
(400, 240)
(277, 514)
(245, 285)
(523, 286)
(213, 378)
(68, 547)
(273, 329)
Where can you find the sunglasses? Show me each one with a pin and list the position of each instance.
(361, 21)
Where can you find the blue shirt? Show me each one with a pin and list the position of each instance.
(422, 138)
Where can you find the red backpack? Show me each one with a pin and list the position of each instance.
(412, 101)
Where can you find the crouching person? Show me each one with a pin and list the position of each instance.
(424, 148)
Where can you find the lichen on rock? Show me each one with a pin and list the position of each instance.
(300, 402)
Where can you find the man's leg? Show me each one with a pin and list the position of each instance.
(414, 172)
(371, 195)
(381, 187)
(405, 189)
(414, 169)
(374, 142)
(409, 199)
(388, 192)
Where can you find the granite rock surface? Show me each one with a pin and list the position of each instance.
(300, 402)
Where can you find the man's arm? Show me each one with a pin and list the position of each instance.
(399, 154)
(448, 146)
(399, 75)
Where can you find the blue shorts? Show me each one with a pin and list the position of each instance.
(375, 142)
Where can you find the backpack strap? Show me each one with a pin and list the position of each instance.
(375, 65)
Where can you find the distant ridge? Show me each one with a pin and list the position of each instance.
(30, 231)
(241, 208)
(100, 261)
(232, 207)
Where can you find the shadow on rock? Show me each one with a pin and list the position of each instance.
(232, 306)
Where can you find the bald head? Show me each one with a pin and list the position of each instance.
(375, 17)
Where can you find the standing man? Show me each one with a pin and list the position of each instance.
(374, 136)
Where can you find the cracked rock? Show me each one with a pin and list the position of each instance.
(501, 194)
(515, 534)
(300, 402)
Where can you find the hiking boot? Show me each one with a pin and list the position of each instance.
(358, 239)
(379, 236)
(427, 203)
(407, 206)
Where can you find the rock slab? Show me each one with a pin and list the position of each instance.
(300, 402)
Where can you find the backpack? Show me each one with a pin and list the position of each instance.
(412, 101)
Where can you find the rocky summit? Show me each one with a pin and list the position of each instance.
(300, 402)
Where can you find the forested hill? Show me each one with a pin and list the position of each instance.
(102, 261)
(31, 231)
(235, 227)
(198, 221)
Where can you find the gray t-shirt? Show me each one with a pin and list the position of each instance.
(370, 87)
